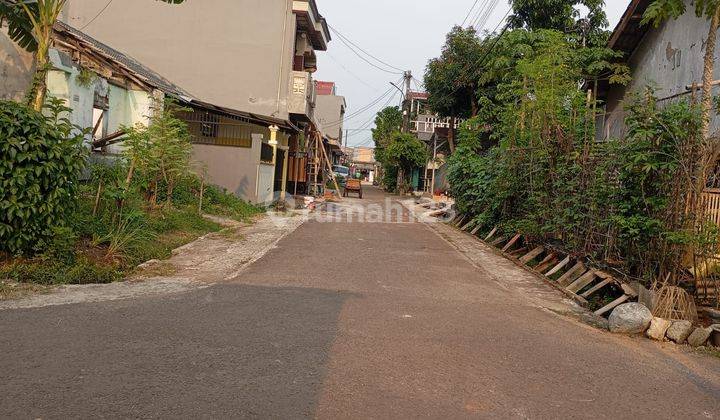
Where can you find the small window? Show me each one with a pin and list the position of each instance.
(209, 125)
(266, 153)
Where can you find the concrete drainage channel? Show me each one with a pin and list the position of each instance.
(627, 312)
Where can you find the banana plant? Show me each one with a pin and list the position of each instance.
(30, 24)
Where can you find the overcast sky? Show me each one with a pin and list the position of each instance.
(404, 34)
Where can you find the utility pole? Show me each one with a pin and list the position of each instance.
(347, 134)
(407, 103)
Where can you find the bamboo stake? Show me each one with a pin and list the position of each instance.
(97, 198)
(202, 193)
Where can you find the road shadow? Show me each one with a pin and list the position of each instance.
(230, 350)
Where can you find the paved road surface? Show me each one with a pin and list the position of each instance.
(342, 320)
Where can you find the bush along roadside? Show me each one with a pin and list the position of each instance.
(128, 210)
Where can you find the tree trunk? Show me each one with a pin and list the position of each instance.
(708, 73)
(38, 89)
(451, 135)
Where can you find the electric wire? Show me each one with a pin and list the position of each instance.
(354, 48)
(358, 78)
(483, 21)
(359, 111)
(469, 12)
(98, 15)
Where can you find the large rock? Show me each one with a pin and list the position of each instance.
(679, 331)
(658, 328)
(699, 336)
(630, 318)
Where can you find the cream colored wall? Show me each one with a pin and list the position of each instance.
(235, 53)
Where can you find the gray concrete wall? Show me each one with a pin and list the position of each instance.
(232, 168)
(16, 68)
(227, 52)
(668, 59)
(328, 110)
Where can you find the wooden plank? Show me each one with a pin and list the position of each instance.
(548, 258)
(545, 265)
(460, 221)
(491, 234)
(573, 273)
(559, 266)
(596, 288)
(532, 254)
(464, 228)
(518, 252)
(475, 230)
(498, 241)
(511, 242)
(582, 282)
(610, 306)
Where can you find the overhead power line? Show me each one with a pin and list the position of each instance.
(359, 111)
(480, 12)
(358, 78)
(484, 19)
(98, 15)
(469, 13)
(357, 50)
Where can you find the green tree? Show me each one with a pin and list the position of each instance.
(160, 151)
(387, 122)
(563, 16)
(405, 152)
(30, 24)
(452, 79)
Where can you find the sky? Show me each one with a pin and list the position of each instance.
(404, 34)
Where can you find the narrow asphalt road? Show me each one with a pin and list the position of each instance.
(342, 320)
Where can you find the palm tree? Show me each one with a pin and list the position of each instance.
(30, 24)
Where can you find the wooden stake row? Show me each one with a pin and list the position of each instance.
(570, 275)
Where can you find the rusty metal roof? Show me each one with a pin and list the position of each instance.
(628, 33)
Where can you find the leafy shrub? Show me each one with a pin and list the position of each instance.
(88, 272)
(41, 159)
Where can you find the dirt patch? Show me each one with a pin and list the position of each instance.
(14, 290)
(215, 257)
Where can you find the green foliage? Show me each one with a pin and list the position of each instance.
(661, 10)
(544, 174)
(452, 79)
(563, 16)
(41, 159)
(406, 152)
(160, 151)
(86, 77)
(387, 122)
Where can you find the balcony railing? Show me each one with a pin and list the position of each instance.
(428, 124)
